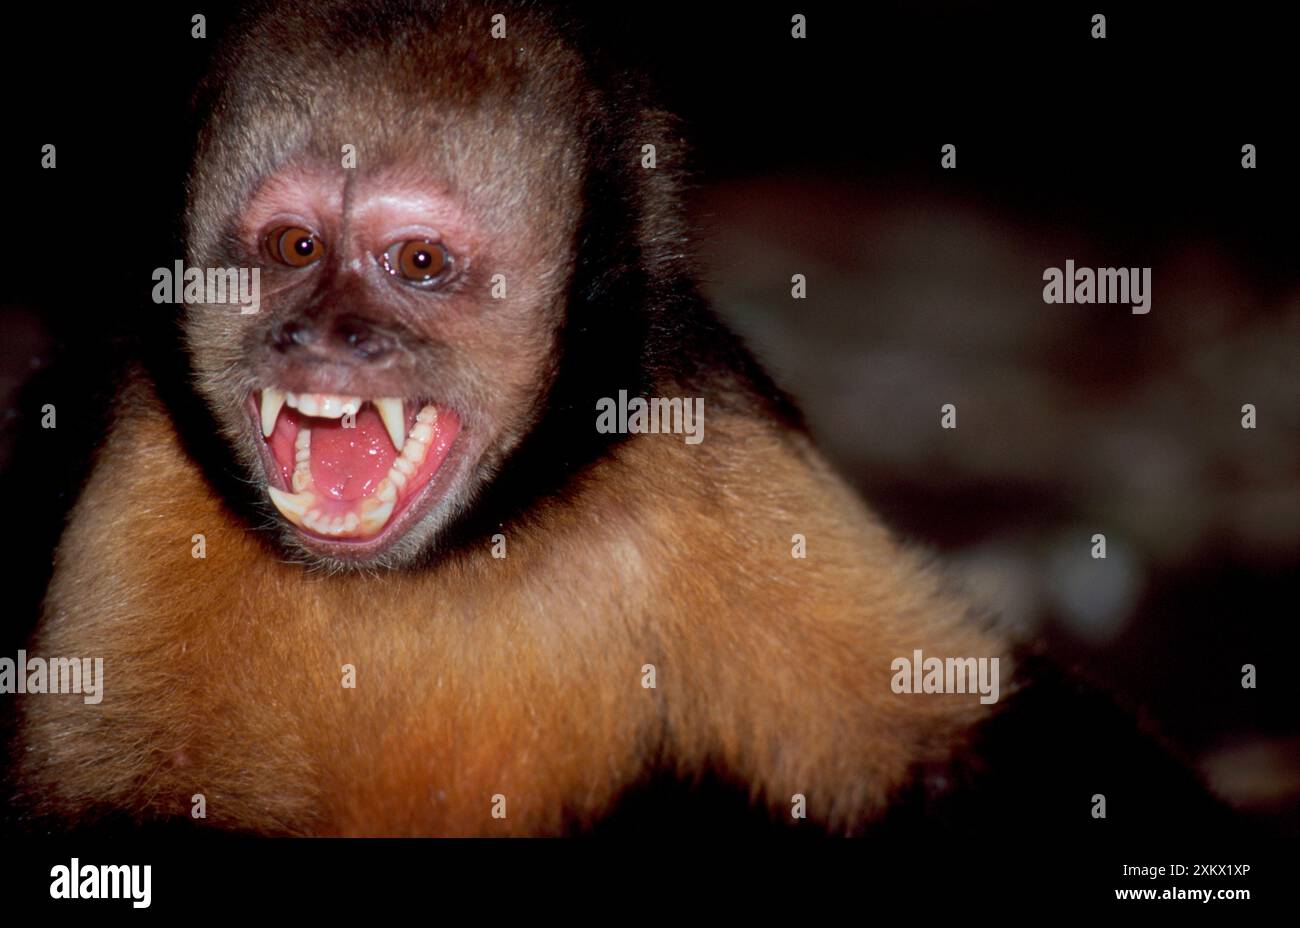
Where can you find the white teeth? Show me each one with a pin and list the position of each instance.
(272, 400)
(326, 405)
(336, 407)
(324, 525)
(390, 410)
(302, 461)
(292, 505)
(372, 520)
(414, 450)
(302, 507)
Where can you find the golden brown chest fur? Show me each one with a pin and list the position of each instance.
(518, 677)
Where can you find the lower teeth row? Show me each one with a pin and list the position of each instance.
(301, 507)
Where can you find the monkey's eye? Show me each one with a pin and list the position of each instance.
(419, 261)
(293, 245)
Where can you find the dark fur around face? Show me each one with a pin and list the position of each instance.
(529, 149)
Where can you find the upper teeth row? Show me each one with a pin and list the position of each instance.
(333, 406)
(326, 405)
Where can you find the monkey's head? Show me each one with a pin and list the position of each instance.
(410, 189)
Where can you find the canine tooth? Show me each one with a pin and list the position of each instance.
(291, 505)
(422, 432)
(390, 410)
(272, 400)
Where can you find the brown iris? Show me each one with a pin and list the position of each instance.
(418, 261)
(293, 245)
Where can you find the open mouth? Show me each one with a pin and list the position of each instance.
(347, 466)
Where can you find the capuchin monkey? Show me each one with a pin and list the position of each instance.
(433, 595)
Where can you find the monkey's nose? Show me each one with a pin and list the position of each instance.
(346, 336)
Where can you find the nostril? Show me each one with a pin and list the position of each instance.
(361, 337)
(288, 334)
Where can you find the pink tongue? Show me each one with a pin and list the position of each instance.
(348, 463)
